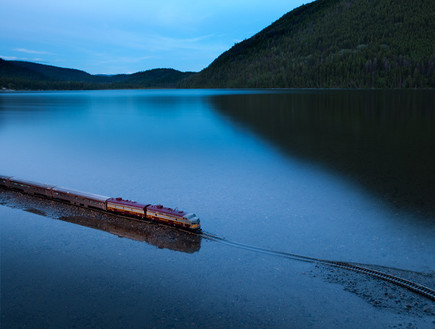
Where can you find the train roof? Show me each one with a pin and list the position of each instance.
(121, 201)
(92, 196)
(29, 182)
(169, 211)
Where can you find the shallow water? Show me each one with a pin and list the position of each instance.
(342, 175)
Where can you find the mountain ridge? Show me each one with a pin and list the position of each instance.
(322, 44)
(334, 44)
(29, 75)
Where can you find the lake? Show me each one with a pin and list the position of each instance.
(342, 175)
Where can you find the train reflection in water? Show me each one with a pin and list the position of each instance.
(161, 236)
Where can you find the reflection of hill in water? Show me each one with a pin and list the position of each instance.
(156, 235)
(384, 140)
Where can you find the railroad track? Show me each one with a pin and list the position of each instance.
(411, 286)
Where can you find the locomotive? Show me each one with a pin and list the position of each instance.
(129, 208)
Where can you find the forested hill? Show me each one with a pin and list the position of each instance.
(334, 43)
(27, 75)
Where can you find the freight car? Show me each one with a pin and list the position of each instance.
(116, 205)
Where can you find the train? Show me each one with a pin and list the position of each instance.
(117, 205)
(121, 226)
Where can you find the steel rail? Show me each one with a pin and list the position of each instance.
(412, 286)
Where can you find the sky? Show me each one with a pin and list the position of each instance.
(111, 37)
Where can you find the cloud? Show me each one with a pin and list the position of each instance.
(26, 59)
(28, 51)
(131, 35)
(9, 58)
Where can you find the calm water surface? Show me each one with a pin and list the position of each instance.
(342, 175)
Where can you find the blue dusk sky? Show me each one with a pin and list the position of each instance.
(110, 37)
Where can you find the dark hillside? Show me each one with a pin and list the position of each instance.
(162, 78)
(9, 70)
(33, 76)
(334, 43)
(53, 72)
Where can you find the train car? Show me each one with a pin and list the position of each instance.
(126, 207)
(4, 181)
(117, 205)
(79, 198)
(173, 217)
(30, 187)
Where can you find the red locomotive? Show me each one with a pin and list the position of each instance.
(117, 205)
